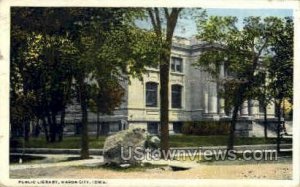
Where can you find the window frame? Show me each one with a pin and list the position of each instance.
(153, 128)
(154, 92)
(175, 62)
(177, 104)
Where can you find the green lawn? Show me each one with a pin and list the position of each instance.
(175, 141)
(68, 142)
(196, 141)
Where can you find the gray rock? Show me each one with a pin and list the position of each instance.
(153, 142)
(120, 148)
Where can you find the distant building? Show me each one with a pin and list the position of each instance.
(193, 97)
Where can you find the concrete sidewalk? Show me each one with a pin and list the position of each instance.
(96, 160)
(60, 163)
(99, 152)
(59, 160)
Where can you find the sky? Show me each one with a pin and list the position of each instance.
(190, 25)
(187, 27)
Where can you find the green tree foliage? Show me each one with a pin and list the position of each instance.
(244, 52)
(39, 57)
(112, 55)
(95, 47)
(280, 68)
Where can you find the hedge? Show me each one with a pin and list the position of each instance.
(206, 128)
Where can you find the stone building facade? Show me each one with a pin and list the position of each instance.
(193, 96)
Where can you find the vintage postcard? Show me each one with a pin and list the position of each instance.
(154, 93)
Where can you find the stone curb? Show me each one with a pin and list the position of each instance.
(239, 147)
(100, 151)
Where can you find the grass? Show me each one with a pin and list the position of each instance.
(74, 142)
(25, 158)
(70, 142)
(196, 141)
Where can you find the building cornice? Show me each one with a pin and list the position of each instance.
(194, 48)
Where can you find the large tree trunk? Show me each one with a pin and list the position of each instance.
(166, 42)
(239, 99)
(62, 125)
(265, 122)
(283, 116)
(53, 128)
(238, 102)
(49, 122)
(45, 126)
(37, 128)
(164, 104)
(232, 128)
(84, 153)
(26, 130)
(26, 121)
(98, 125)
(67, 96)
(278, 106)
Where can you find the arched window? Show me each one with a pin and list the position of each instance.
(176, 96)
(151, 94)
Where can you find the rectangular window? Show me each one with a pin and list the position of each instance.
(177, 127)
(176, 96)
(176, 64)
(151, 94)
(114, 127)
(152, 127)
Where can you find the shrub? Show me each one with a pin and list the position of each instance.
(206, 128)
(16, 142)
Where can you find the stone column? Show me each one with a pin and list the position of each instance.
(222, 71)
(230, 112)
(221, 100)
(221, 106)
(212, 99)
(244, 109)
(213, 104)
(205, 101)
(171, 131)
(253, 107)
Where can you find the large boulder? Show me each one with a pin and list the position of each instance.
(120, 148)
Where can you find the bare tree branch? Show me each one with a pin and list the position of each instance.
(262, 48)
(158, 22)
(167, 13)
(150, 12)
(171, 22)
(155, 25)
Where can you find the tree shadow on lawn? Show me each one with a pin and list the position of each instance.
(35, 159)
(15, 159)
